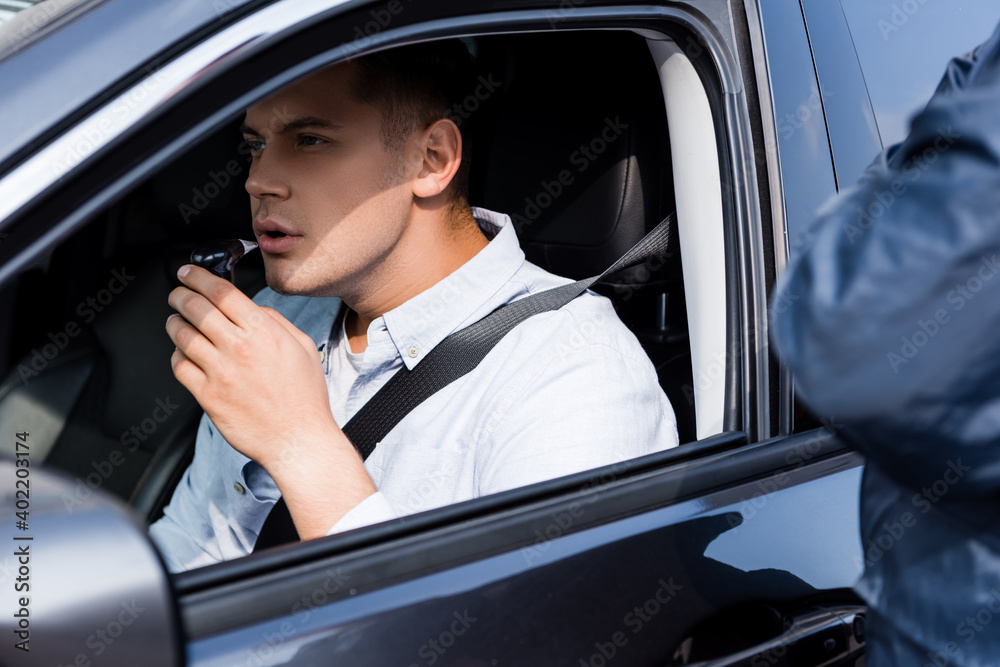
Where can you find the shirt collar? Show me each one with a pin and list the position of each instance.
(418, 325)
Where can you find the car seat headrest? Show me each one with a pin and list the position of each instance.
(579, 157)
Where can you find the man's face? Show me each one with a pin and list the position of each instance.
(329, 201)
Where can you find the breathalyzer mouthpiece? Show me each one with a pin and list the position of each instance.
(220, 257)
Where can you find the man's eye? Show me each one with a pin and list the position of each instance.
(254, 145)
(309, 140)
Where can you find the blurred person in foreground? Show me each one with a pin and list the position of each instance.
(890, 323)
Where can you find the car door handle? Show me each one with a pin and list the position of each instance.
(828, 637)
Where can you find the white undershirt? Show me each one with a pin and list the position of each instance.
(345, 366)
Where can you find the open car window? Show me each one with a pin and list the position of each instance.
(91, 376)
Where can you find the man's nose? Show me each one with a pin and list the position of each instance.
(265, 177)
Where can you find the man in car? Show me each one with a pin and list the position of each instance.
(372, 257)
(889, 322)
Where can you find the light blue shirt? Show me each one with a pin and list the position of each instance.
(563, 392)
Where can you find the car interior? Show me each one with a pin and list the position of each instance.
(87, 367)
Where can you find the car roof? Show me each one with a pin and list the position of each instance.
(10, 9)
(61, 59)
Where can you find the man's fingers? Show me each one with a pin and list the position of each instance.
(190, 342)
(187, 372)
(225, 315)
(237, 307)
(201, 313)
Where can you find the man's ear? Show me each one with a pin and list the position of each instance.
(440, 154)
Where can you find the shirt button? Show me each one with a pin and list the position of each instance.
(239, 488)
(412, 351)
(322, 356)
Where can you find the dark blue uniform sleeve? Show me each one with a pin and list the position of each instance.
(890, 318)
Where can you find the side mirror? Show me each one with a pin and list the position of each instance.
(81, 584)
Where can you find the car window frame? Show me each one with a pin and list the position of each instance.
(742, 233)
(790, 110)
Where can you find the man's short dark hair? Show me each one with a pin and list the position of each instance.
(414, 86)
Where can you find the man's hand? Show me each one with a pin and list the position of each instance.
(260, 380)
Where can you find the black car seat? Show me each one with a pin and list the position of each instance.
(576, 151)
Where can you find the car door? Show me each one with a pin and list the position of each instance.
(739, 545)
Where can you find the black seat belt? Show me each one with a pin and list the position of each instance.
(455, 356)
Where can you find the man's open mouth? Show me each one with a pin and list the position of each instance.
(271, 232)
